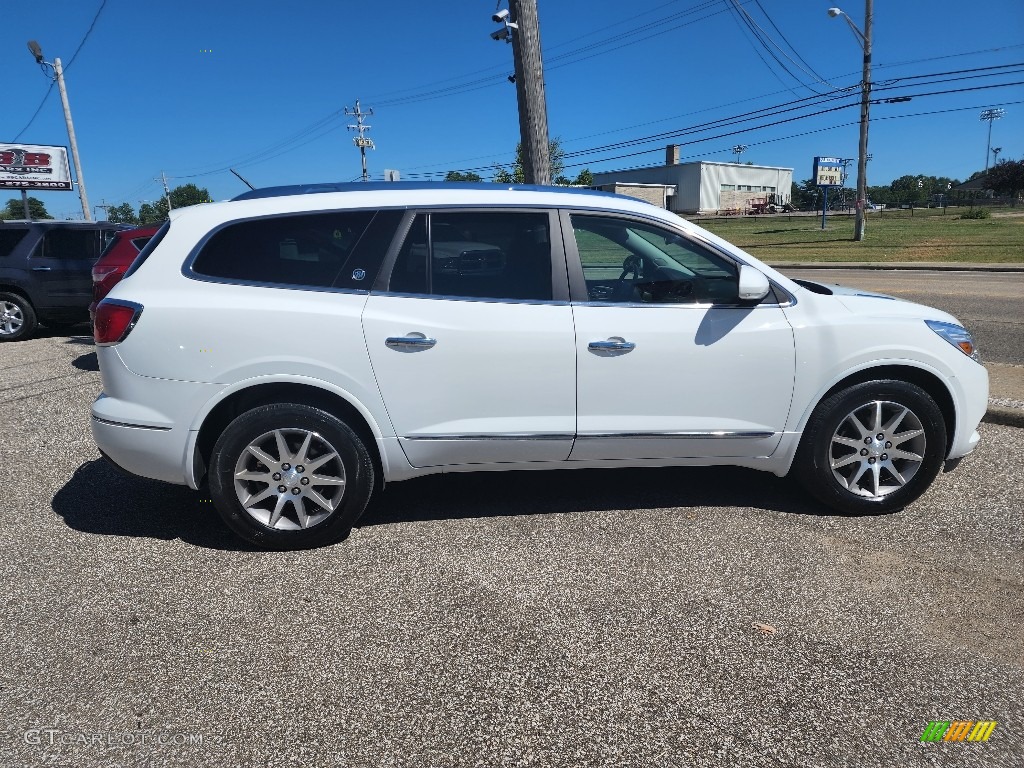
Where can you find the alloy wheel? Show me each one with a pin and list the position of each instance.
(290, 479)
(877, 449)
(11, 318)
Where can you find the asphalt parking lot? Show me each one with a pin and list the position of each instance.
(621, 618)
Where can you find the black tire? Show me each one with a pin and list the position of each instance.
(16, 310)
(830, 436)
(256, 522)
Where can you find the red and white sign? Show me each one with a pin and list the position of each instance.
(31, 166)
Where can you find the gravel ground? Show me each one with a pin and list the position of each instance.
(553, 619)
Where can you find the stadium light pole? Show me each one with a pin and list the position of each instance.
(864, 40)
(991, 115)
(58, 75)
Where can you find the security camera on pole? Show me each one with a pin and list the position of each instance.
(522, 29)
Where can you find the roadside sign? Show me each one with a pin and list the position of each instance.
(828, 172)
(34, 166)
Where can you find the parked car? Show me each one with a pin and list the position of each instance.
(115, 260)
(292, 350)
(45, 273)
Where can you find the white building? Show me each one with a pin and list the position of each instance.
(702, 186)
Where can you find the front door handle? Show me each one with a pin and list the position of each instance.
(410, 343)
(614, 344)
(42, 269)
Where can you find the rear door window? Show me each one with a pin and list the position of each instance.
(487, 255)
(61, 243)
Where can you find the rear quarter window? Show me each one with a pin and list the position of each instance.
(341, 249)
(9, 239)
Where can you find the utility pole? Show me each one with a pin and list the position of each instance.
(58, 75)
(361, 141)
(862, 148)
(167, 191)
(105, 208)
(59, 72)
(533, 111)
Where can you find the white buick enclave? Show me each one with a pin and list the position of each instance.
(297, 347)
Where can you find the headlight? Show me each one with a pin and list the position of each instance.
(956, 335)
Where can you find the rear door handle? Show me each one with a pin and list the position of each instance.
(614, 344)
(410, 343)
(42, 269)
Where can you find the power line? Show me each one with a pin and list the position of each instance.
(736, 121)
(49, 90)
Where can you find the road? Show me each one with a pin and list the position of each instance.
(990, 304)
(620, 618)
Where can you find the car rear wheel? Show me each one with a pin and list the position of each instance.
(872, 448)
(17, 318)
(288, 476)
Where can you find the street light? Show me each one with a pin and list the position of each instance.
(58, 75)
(864, 41)
(990, 115)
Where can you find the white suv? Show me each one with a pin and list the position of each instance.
(295, 348)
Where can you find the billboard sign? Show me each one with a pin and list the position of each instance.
(828, 172)
(31, 166)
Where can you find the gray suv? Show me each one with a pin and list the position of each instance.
(46, 273)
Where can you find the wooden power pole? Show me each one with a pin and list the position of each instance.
(533, 110)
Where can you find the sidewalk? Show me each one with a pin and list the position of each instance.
(1006, 394)
(1006, 382)
(937, 266)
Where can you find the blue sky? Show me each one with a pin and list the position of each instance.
(192, 88)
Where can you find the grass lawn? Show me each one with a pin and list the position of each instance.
(928, 235)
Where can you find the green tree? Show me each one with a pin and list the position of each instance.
(1007, 177)
(458, 176)
(556, 159)
(15, 210)
(122, 214)
(805, 195)
(182, 197)
(148, 214)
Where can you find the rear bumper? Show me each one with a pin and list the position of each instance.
(152, 452)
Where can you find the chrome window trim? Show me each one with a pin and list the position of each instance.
(641, 305)
(282, 286)
(478, 299)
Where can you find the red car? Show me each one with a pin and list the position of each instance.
(115, 260)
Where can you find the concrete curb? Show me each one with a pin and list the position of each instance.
(929, 266)
(1007, 417)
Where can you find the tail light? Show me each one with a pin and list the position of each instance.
(115, 320)
(104, 279)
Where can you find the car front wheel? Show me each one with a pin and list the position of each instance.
(872, 448)
(288, 476)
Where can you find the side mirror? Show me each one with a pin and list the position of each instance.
(753, 286)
